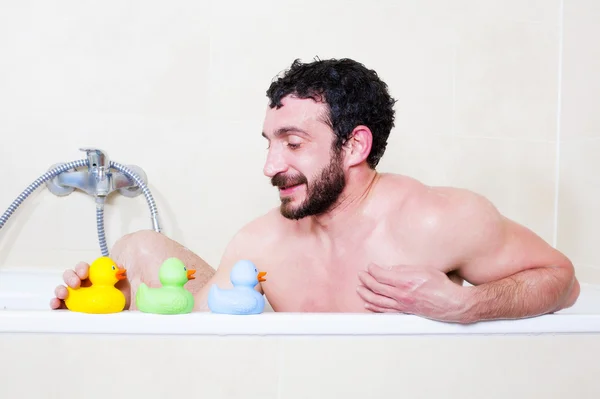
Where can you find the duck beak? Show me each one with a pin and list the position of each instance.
(121, 274)
(261, 276)
(190, 274)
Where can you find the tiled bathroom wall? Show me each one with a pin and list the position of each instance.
(578, 223)
(496, 96)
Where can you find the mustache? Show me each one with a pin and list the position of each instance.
(287, 181)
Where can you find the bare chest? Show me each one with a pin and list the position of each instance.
(310, 279)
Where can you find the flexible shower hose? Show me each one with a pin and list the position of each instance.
(99, 200)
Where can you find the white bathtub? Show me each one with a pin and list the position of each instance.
(293, 355)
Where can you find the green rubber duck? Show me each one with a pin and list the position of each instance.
(172, 297)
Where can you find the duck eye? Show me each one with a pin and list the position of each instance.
(113, 268)
(184, 268)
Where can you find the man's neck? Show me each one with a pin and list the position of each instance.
(349, 207)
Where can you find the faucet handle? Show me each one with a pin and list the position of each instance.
(96, 157)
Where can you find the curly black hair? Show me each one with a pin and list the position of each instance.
(354, 95)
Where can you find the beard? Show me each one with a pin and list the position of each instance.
(321, 194)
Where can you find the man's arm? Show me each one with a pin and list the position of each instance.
(240, 247)
(515, 274)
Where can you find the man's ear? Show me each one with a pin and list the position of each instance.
(358, 145)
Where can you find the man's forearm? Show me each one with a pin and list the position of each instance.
(529, 293)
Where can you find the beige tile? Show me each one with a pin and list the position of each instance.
(497, 61)
(125, 59)
(587, 274)
(506, 66)
(436, 367)
(579, 199)
(517, 176)
(139, 366)
(482, 12)
(581, 62)
(407, 43)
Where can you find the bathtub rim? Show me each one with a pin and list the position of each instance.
(351, 324)
(35, 316)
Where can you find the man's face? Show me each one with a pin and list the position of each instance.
(301, 162)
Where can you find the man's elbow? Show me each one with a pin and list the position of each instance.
(571, 290)
(572, 295)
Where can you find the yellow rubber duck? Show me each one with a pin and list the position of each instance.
(101, 296)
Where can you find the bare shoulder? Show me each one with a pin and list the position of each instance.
(449, 205)
(456, 229)
(445, 218)
(410, 192)
(256, 236)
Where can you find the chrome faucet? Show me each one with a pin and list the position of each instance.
(98, 180)
(101, 178)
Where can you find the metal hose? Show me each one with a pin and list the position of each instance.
(149, 199)
(100, 225)
(99, 200)
(38, 182)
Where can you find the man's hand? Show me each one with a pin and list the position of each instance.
(78, 277)
(428, 292)
(514, 273)
(74, 278)
(422, 291)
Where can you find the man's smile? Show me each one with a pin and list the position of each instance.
(287, 190)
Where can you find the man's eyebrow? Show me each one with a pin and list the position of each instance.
(282, 131)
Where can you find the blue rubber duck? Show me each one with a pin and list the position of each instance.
(242, 299)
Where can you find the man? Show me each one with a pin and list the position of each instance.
(347, 238)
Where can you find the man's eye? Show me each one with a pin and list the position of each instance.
(293, 146)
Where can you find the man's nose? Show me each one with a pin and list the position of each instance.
(275, 164)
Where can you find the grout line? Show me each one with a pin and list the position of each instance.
(558, 120)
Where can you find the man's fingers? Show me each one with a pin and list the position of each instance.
(384, 276)
(377, 309)
(71, 279)
(81, 270)
(376, 299)
(61, 292)
(402, 277)
(375, 286)
(56, 303)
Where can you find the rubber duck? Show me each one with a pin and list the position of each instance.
(242, 299)
(101, 296)
(172, 297)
